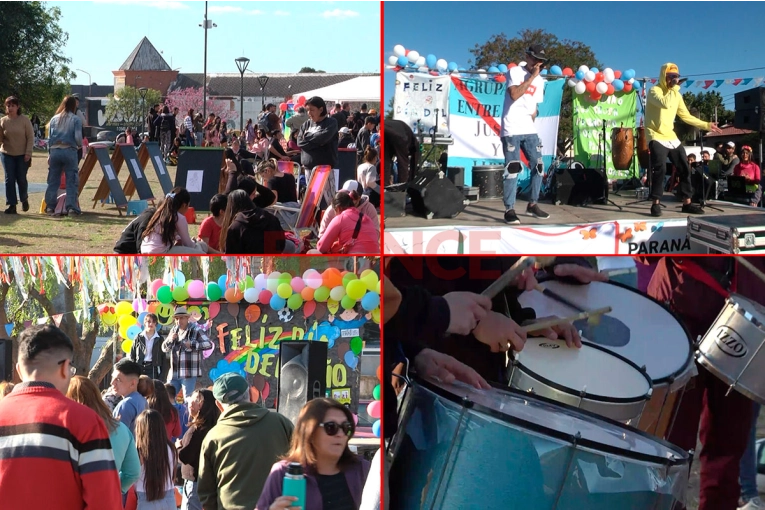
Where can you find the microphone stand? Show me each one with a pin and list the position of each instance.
(648, 171)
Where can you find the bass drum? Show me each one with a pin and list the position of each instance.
(643, 156)
(622, 148)
(459, 448)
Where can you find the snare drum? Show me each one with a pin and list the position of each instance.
(590, 378)
(732, 348)
(499, 449)
(640, 329)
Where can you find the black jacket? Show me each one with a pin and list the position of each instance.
(318, 143)
(131, 238)
(256, 231)
(138, 350)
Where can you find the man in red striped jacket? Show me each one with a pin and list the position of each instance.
(54, 452)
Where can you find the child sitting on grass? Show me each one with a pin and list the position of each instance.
(209, 231)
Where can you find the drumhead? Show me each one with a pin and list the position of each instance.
(544, 416)
(751, 310)
(657, 339)
(593, 369)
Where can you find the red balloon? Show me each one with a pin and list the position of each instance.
(610, 90)
(627, 87)
(511, 65)
(283, 107)
(265, 297)
(596, 96)
(617, 74)
(501, 78)
(213, 310)
(309, 307)
(568, 72)
(300, 100)
(598, 76)
(590, 87)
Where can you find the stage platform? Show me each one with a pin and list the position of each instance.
(597, 229)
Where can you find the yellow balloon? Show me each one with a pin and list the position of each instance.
(123, 332)
(124, 308)
(376, 315)
(332, 306)
(126, 321)
(284, 290)
(366, 272)
(109, 317)
(356, 289)
(126, 346)
(370, 280)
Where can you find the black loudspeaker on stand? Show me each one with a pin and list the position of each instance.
(434, 196)
(302, 376)
(6, 360)
(579, 186)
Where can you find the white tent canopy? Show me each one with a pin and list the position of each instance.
(362, 88)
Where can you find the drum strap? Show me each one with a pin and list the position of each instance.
(724, 288)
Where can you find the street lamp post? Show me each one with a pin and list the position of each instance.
(90, 82)
(241, 63)
(135, 106)
(263, 79)
(143, 91)
(207, 25)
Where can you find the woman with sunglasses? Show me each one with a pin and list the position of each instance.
(334, 475)
(750, 170)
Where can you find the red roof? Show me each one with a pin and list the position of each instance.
(729, 131)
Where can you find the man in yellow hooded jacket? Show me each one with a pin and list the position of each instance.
(664, 103)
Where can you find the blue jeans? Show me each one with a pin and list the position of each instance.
(15, 174)
(748, 466)
(165, 503)
(190, 496)
(190, 139)
(512, 147)
(189, 384)
(63, 160)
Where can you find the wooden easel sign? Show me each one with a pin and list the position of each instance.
(137, 180)
(149, 151)
(110, 183)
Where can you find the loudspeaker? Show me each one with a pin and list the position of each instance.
(434, 196)
(302, 376)
(394, 199)
(6, 360)
(456, 174)
(579, 186)
(750, 109)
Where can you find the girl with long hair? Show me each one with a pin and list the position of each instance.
(334, 475)
(168, 229)
(367, 175)
(17, 138)
(65, 138)
(350, 231)
(154, 489)
(250, 229)
(84, 391)
(283, 185)
(160, 402)
(249, 130)
(204, 416)
(261, 144)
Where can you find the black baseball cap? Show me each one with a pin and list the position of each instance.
(537, 51)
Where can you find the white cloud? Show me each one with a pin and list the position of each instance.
(255, 12)
(224, 9)
(340, 13)
(281, 13)
(161, 4)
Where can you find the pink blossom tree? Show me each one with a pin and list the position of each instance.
(191, 97)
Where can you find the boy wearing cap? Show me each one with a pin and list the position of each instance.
(728, 160)
(665, 102)
(525, 90)
(185, 342)
(346, 138)
(238, 452)
(363, 138)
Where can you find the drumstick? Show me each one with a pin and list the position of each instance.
(557, 297)
(759, 274)
(557, 321)
(508, 277)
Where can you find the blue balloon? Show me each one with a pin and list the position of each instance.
(628, 74)
(180, 278)
(618, 84)
(556, 71)
(502, 68)
(402, 61)
(594, 69)
(493, 69)
(370, 301)
(544, 72)
(636, 85)
(579, 75)
(278, 303)
(222, 282)
(430, 61)
(376, 428)
(141, 317)
(452, 66)
(351, 360)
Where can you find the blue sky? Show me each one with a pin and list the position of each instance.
(276, 36)
(703, 38)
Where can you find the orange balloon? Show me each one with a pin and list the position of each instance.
(307, 293)
(332, 278)
(233, 296)
(252, 313)
(152, 308)
(379, 373)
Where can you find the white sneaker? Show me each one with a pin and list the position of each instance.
(753, 504)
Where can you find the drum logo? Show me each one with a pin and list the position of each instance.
(730, 342)
(549, 346)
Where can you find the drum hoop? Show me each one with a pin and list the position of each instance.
(680, 457)
(691, 348)
(708, 365)
(588, 396)
(741, 308)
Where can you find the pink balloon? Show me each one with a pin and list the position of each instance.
(374, 409)
(155, 285)
(297, 284)
(196, 289)
(214, 309)
(314, 281)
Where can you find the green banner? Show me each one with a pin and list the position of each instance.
(618, 111)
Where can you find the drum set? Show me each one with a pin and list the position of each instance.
(577, 428)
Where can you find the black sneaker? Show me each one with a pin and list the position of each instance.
(25, 205)
(511, 217)
(73, 212)
(50, 212)
(11, 210)
(692, 209)
(535, 211)
(656, 210)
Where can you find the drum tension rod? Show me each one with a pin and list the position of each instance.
(466, 404)
(574, 443)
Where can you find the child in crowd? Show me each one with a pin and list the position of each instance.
(209, 231)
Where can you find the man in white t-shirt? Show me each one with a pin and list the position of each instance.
(525, 90)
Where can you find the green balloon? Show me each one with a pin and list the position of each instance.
(294, 302)
(246, 283)
(165, 295)
(376, 392)
(213, 292)
(321, 294)
(285, 278)
(348, 277)
(356, 345)
(347, 302)
(180, 294)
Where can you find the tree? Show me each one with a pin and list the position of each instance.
(125, 107)
(309, 70)
(32, 63)
(706, 103)
(192, 98)
(391, 108)
(565, 53)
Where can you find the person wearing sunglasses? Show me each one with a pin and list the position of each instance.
(664, 103)
(334, 475)
(46, 436)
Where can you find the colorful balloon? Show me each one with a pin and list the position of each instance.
(196, 289)
(277, 303)
(251, 295)
(294, 302)
(123, 308)
(337, 293)
(370, 301)
(165, 295)
(321, 294)
(347, 302)
(180, 294)
(356, 289)
(284, 290)
(213, 291)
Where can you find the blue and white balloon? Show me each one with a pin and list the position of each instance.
(556, 71)
(430, 61)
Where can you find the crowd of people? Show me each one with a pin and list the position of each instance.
(130, 447)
